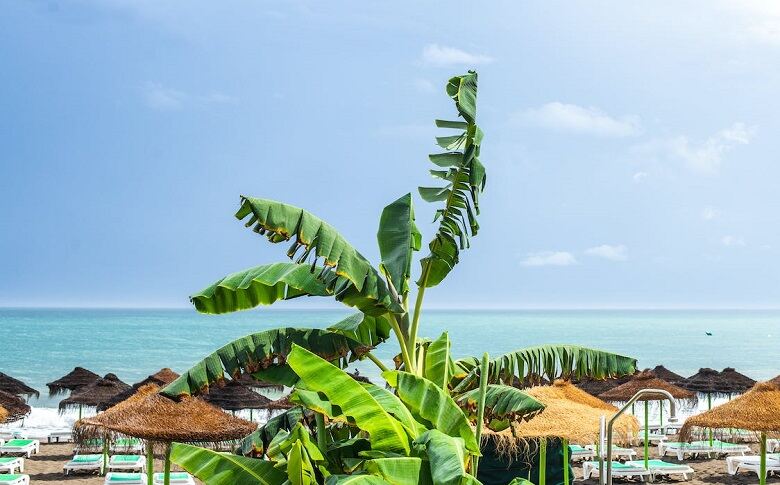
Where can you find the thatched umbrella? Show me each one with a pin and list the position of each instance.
(78, 377)
(14, 406)
(775, 381)
(255, 384)
(94, 394)
(161, 378)
(713, 383)
(737, 381)
(671, 377)
(598, 386)
(646, 380)
(757, 410)
(3, 415)
(235, 397)
(15, 386)
(570, 414)
(281, 403)
(157, 419)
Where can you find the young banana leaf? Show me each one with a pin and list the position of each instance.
(225, 469)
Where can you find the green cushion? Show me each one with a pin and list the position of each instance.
(9, 478)
(125, 458)
(616, 465)
(658, 464)
(86, 458)
(577, 448)
(18, 442)
(174, 476)
(127, 442)
(124, 477)
(7, 459)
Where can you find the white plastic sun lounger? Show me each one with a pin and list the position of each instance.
(9, 464)
(623, 470)
(577, 452)
(133, 463)
(15, 479)
(771, 466)
(115, 478)
(84, 463)
(618, 452)
(734, 463)
(26, 447)
(179, 478)
(60, 436)
(659, 467)
(127, 446)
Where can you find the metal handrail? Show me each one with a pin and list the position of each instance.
(672, 419)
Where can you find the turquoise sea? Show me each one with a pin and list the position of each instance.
(41, 345)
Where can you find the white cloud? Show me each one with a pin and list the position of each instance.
(710, 213)
(704, 157)
(606, 251)
(439, 55)
(577, 119)
(640, 176)
(732, 241)
(163, 98)
(549, 258)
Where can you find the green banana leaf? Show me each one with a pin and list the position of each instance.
(284, 443)
(355, 480)
(552, 362)
(520, 481)
(398, 237)
(401, 471)
(261, 285)
(439, 366)
(261, 350)
(431, 404)
(465, 179)
(318, 239)
(317, 403)
(395, 407)
(300, 470)
(214, 468)
(502, 402)
(447, 458)
(257, 442)
(352, 398)
(370, 330)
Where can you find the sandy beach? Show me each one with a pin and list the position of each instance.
(47, 467)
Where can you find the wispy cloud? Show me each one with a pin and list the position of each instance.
(577, 119)
(639, 177)
(710, 213)
(610, 252)
(440, 55)
(549, 258)
(704, 157)
(163, 98)
(732, 241)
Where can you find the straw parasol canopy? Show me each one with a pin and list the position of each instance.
(671, 377)
(252, 383)
(99, 391)
(646, 379)
(14, 406)
(78, 377)
(569, 413)
(708, 381)
(756, 410)
(737, 381)
(15, 386)
(3, 415)
(161, 378)
(281, 403)
(153, 417)
(599, 386)
(234, 397)
(775, 381)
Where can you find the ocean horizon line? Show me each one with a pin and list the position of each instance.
(309, 308)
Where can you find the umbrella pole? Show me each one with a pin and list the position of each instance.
(543, 461)
(167, 469)
(79, 411)
(104, 467)
(647, 435)
(250, 415)
(661, 413)
(565, 444)
(709, 406)
(762, 472)
(149, 463)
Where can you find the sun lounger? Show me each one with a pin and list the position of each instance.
(89, 446)
(734, 463)
(179, 478)
(26, 447)
(659, 467)
(84, 463)
(577, 452)
(115, 478)
(618, 452)
(133, 463)
(701, 447)
(60, 436)
(9, 464)
(771, 466)
(15, 479)
(725, 448)
(127, 445)
(623, 470)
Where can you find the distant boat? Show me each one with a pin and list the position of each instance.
(709, 334)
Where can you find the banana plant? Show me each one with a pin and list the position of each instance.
(421, 428)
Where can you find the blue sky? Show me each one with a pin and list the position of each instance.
(631, 147)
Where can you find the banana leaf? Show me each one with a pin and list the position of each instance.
(439, 366)
(447, 458)
(503, 402)
(370, 330)
(398, 237)
(214, 468)
(263, 350)
(257, 442)
(401, 471)
(355, 480)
